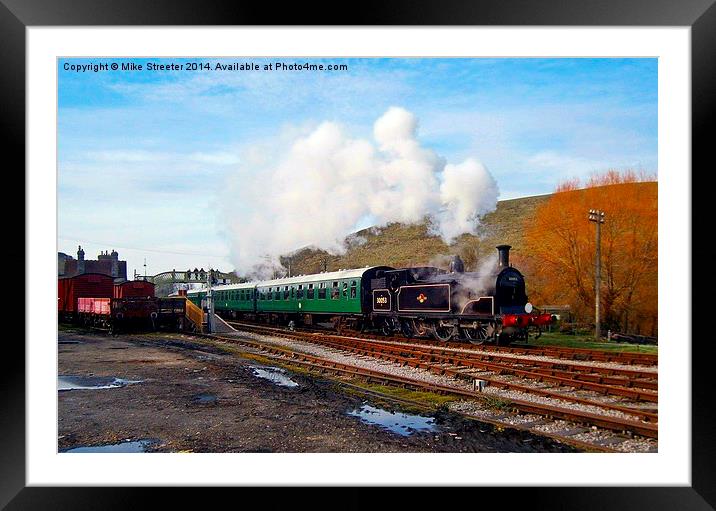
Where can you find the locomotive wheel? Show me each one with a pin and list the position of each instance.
(475, 336)
(386, 329)
(418, 328)
(479, 335)
(406, 329)
(444, 333)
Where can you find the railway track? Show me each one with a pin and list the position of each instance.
(643, 378)
(558, 352)
(608, 415)
(458, 367)
(576, 354)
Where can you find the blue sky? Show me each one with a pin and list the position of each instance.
(145, 156)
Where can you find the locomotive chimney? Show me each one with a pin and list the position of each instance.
(504, 256)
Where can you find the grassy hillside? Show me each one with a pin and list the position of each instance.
(413, 245)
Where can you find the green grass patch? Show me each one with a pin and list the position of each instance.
(588, 342)
(496, 403)
(430, 399)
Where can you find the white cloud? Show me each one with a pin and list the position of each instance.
(323, 184)
(467, 192)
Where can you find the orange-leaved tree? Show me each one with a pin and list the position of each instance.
(560, 250)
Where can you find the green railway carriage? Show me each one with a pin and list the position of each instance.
(338, 293)
(196, 296)
(234, 297)
(332, 293)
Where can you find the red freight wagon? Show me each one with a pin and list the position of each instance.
(87, 285)
(134, 289)
(98, 306)
(94, 312)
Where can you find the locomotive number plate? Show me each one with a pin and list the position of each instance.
(381, 300)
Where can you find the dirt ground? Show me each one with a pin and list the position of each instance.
(199, 398)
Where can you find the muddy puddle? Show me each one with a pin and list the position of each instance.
(274, 375)
(122, 447)
(204, 399)
(403, 424)
(91, 382)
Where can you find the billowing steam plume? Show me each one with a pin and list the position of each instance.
(317, 191)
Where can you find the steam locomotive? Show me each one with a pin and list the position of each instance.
(482, 306)
(486, 306)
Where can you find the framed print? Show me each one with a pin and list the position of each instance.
(208, 171)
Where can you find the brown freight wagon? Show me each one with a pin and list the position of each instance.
(134, 289)
(87, 285)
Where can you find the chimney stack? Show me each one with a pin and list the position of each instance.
(80, 260)
(504, 256)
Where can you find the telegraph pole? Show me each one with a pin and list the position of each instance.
(597, 217)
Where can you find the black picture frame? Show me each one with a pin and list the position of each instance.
(700, 15)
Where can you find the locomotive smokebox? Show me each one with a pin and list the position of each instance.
(503, 252)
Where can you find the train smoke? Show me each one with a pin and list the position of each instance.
(318, 188)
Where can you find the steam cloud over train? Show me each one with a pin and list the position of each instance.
(486, 306)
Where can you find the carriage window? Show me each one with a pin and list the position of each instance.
(335, 292)
(299, 293)
(286, 293)
(353, 289)
(345, 289)
(311, 293)
(269, 294)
